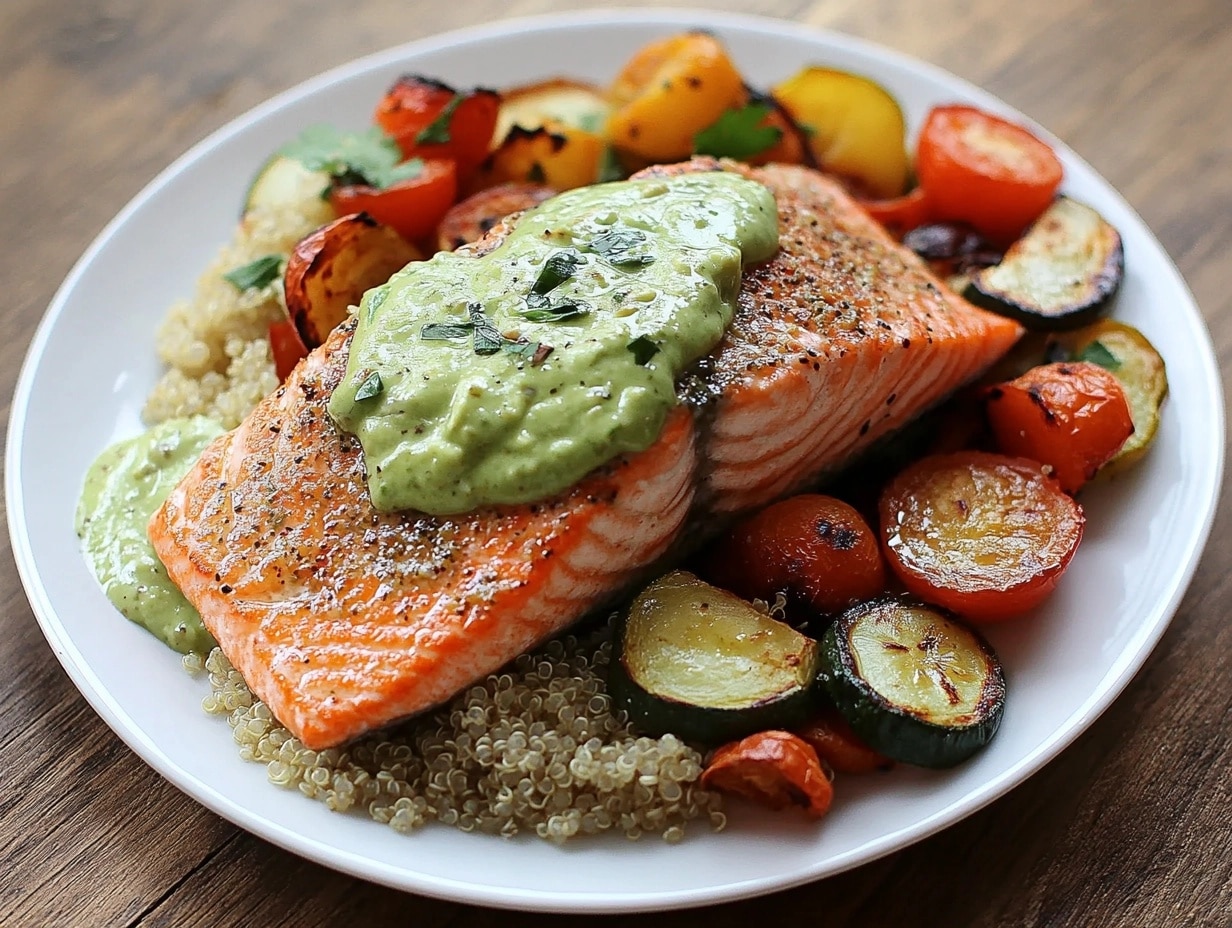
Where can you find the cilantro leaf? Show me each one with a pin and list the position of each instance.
(371, 387)
(1098, 353)
(437, 131)
(643, 349)
(553, 312)
(370, 157)
(559, 267)
(616, 246)
(445, 331)
(256, 274)
(737, 134)
(487, 339)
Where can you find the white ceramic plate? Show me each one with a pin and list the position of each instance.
(83, 386)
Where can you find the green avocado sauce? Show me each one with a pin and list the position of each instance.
(123, 487)
(507, 378)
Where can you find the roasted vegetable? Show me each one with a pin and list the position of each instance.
(1128, 354)
(978, 168)
(560, 101)
(855, 128)
(283, 183)
(667, 93)
(775, 769)
(815, 549)
(552, 155)
(913, 682)
(985, 535)
(951, 247)
(701, 663)
(1072, 416)
(286, 347)
(899, 214)
(1060, 275)
(839, 747)
(331, 269)
(429, 119)
(412, 207)
(470, 219)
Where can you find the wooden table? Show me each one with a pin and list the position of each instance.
(1131, 826)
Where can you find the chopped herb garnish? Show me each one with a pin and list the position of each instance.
(437, 131)
(375, 300)
(738, 133)
(559, 267)
(541, 310)
(534, 352)
(487, 339)
(610, 167)
(256, 274)
(643, 349)
(1098, 353)
(371, 386)
(445, 331)
(370, 158)
(616, 247)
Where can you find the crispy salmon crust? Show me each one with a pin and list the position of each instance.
(342, 619)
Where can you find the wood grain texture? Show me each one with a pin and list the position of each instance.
(1131, 826)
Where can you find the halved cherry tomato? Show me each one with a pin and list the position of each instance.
(412, 207)
(816, 549)
(981, 169)
(775, 769)
(1072, 416)
(286, 346)
(429, 119)
(900, 214)
(837, 745)
(984, 535)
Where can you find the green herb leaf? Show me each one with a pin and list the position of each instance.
(371, 387)
(370, 158)
(737, 134)
(487, 339)
(1098, 353)
(256, 274)
(554, 312)
(559, 267)
(445, 331)
(437, 131)
(616, 247)
(610, 168)
(534, 352)
(643, 349)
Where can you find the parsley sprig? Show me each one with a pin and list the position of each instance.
(370, 157)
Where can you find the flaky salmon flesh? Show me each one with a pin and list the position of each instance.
(343, 619)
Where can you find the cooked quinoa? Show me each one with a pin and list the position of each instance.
(216, 345)
(537, 748)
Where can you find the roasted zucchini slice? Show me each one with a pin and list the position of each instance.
(1133, 360)
(705, 665)
(1060, 275)
(284, 183)
(913, 682)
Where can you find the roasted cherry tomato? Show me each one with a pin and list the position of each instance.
(981, 169)
(470, 219)
(984, 535)
(412, 207)
(900, 214)
(839, 747)
(1072, 416)
(775, 769)
(816, 549)
(286, 346)
(429, 119)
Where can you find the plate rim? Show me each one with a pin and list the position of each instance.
(1128, 662)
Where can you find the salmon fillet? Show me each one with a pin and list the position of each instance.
(343, 619)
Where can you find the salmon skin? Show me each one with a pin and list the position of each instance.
(343, 619)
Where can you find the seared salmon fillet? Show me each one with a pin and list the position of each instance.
(343, 619)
